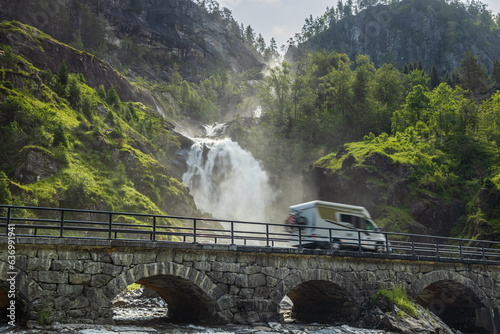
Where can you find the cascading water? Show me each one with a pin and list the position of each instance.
(226, 180)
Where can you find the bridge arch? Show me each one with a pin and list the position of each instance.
(451, 296)
(190, 294)
(319, 295)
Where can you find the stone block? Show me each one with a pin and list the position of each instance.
(100, 280)
(92, 268)
(112, 270)
(228, 278)
(76, 314)
(227, 302)
(256, 280)
(241, 280)
(52, 277)
(65, 254)
(48, 287)
(246, 293)
(142, 257)
(37, 264)
(73, 266)
(202, 266)
(67, 289)
(101, 255)
(122, 259)
(226, 267)
(80, 279)
(47, 253)
(249, 270)
(80, 302)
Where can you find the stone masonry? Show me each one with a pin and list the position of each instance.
(70, 280)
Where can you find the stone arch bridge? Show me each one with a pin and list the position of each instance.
(75, 280)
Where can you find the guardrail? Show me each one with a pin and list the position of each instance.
(23, 221)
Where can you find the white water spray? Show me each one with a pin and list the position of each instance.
(226, 180)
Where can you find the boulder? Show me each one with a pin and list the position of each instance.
(37, 165)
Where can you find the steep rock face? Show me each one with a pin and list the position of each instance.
(47, 53)
(376, 182)
(167, 30)
(432, 31)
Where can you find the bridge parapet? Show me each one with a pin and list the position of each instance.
(74, 280)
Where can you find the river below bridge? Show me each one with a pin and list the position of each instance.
(165, 328)
(144, 312)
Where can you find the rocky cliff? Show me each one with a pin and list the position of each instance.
(387, 186)
(433, 31)
(143, 37)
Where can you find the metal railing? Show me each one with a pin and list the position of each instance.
(23, 221)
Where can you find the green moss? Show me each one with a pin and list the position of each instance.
(398, 297)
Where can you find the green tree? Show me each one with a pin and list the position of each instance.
(74, 92)
(60, 137)
(435, 80)
(473, 76)
(63, 75)
(5, 194)
(101, 92)
(112, 97)
(278, 89)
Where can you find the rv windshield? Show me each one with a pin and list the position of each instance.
(369, 226)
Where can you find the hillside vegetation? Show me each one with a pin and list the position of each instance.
(66, 144)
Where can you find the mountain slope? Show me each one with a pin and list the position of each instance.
(433, 31)
(66, 144)
(143, 37)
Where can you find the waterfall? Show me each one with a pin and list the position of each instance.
(226, 180)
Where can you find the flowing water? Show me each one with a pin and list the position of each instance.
(225, 180)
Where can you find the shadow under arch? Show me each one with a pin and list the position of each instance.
(191, 295)
(451, 296)
(26, 292)
(320, 296)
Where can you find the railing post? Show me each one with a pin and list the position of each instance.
(61, 228)
(300, 238)
(359, 240)
(232, 234)
(460, 249)
(412, 240)
(153, 237)
(267, 235)
(110, 226)
(482, 251)
(194, 231)
(8, 220)
(330, 237)
(437, 248)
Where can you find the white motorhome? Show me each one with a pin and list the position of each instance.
(333, 225)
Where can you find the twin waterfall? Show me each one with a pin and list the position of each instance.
(226, 180)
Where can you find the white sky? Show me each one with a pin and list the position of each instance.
(281, 19)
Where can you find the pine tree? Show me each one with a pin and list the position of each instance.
(434, 75)
(112, 97)
(5, 195)
(495, 75)
(473, 77)
(62, 74)
(60, 137)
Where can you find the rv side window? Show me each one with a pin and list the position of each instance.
(346, 218)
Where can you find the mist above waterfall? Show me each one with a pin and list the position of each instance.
(226, 180)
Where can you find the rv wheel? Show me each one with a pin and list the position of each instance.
(380, 249)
